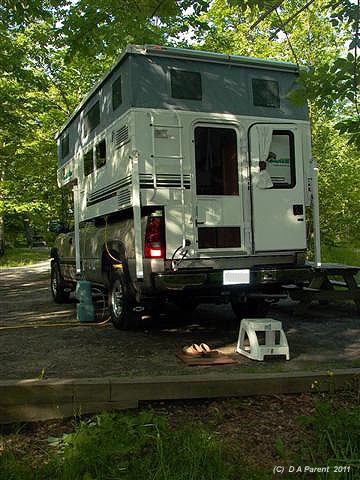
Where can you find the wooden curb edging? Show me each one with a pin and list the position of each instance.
(33, 400)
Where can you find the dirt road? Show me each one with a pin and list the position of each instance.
(56, 345)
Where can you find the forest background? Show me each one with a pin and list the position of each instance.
(53, 51)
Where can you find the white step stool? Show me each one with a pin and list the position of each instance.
(255, 351)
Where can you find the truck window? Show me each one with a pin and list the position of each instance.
(100, 154)
(116, 93)
(88, 163)
(92, 118)
(185, 84)
(216, 161)
(281, 159)
(265, 93)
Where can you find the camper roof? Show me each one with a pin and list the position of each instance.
(173, 52)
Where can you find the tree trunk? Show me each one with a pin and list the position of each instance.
(2, 226)
(2, 236)
(28, 232)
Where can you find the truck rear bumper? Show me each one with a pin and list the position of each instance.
(213, 279)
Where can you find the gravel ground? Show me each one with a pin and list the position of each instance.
(53, 344)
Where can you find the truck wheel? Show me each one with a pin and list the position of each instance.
(249, 307)
(124, 311)
(59, 294)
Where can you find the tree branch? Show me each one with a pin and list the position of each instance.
(266, 14)
(283, 24)
(287, 38)
(157, 8)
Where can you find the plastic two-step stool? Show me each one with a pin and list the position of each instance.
(255, 351)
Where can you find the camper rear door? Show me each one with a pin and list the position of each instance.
(277, 188)
(218, 202)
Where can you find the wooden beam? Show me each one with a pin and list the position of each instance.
(42, 412)
(32, 400)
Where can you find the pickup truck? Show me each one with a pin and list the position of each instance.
(108, 262)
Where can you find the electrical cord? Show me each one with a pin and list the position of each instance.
(105, 242)
(175, 263)
(72, 324)
(65, 324)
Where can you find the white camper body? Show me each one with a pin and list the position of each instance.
(230, 177)
(156, 162)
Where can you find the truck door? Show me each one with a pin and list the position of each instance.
(218, 209)
(277, 188)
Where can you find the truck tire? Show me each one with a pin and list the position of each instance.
(249, 307)
(58, 292)
(125, 313)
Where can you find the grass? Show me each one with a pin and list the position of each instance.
(125, 446)
(143, 446)
(346, 253)
(335, 440)
(18, 257)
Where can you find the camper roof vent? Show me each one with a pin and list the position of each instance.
(120, 137)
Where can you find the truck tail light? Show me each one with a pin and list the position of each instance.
(154, 238)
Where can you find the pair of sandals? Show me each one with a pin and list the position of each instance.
(202, 350)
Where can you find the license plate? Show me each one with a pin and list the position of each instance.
(236, 277)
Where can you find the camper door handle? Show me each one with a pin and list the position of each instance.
(198, 223)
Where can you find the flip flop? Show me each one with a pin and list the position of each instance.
(207, 351)
(193, 349)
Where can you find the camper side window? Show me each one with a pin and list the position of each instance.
(92, 118)
(186, 85)
(116, 93)
(88, 163)
(281, 159)
(65, 146)
(100, 154)
(265, 93)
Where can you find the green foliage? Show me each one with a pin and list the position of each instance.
(18, 257)
(125, 446)
(346, 253)
(339, 182)
(335, 438)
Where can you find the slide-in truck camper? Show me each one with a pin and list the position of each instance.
(191, 172)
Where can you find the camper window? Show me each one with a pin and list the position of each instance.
(92, 118)
(65, 146)
(265, 93)
(185, 84)
(116, 93)
(216, 161)
(219, 237)
(88, 163)
(281, 159)
(100, 154)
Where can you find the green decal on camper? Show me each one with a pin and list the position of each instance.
(279, 161)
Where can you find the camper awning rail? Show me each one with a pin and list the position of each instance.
(216, 57)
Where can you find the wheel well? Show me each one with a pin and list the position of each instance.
(117, 255)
